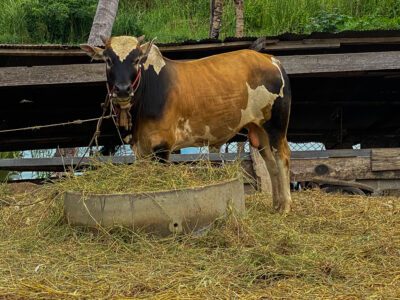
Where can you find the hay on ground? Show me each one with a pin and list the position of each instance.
(330, 246)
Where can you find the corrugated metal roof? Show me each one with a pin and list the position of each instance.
(282, 37)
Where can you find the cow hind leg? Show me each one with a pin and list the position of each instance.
(276, 129)
(280, 201)
(281, 153)
(161, 153)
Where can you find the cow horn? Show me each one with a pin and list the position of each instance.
(150, 44)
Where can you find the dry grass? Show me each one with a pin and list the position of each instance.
(146, 176)
(331, 246)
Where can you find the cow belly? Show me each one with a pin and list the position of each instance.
(189, 133)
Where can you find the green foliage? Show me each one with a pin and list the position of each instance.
(369, 23)
(327, 22)
(58, 21)
(127, 22)
(171, 20)
(69, 21)
(12, 25)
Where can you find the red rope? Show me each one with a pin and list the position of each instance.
(136, 81)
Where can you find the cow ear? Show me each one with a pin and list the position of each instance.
(94, 52)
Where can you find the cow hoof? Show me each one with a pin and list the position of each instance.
(283, 208)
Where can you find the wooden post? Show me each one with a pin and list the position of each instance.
(65, 152)
(261, 171)
(103, 21)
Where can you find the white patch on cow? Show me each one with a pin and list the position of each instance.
(277, 64)
(186, 126)
(207, 136)
(183, 132)
(155, 59)
(123, 45)
(185, 136)
(258, 99)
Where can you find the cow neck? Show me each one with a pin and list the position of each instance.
(137, 100)
(149, 99)
(123, 109)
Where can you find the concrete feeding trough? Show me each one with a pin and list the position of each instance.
(163, 213)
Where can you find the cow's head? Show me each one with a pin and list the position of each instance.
(124, 56)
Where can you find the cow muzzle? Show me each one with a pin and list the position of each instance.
(122, 91)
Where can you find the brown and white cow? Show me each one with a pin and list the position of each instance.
(177, 104)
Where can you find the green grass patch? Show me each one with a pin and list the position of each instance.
(56, 21)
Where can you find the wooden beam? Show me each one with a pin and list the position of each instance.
(349, 168)
(342, 153)
(368, 41)
(339, 168)
(305, 65)
(41, 52)
(385, 159)
(271, 44)
(334, 165)
(59, 163)
(336, 182)
(56, 162)
(312, 65)
(50, 75)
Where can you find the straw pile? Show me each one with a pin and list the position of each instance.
(146, 176)
(330, 246)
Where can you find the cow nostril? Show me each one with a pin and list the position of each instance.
(122, 89)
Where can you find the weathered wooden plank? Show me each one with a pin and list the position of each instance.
(343, 153)
(349, 168)
(54, 50)
(208, 46)
(385, 159)
(271, 44)
(302, 45)
(41, 52)
(50, 75)
(341, 168)
(59, 163)
(336, 182)
(341, 63)
(369, 40)
(306, 65)
(261, 173)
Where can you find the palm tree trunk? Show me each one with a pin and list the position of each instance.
(239, 7)
(216, 10)
(103, 21)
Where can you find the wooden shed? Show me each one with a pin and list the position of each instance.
(346, 89)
